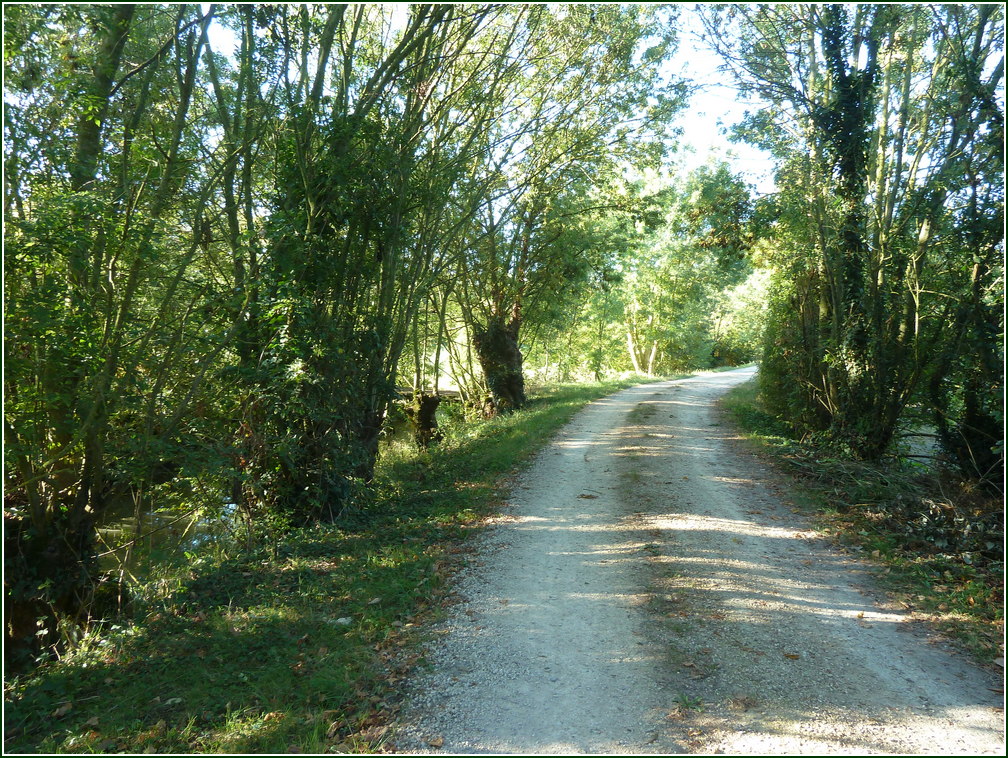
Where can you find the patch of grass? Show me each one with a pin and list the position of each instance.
(641, 413)
(293, 645)
(743, 405)
(689, 703)
(937, 542)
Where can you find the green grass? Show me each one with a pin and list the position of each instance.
(937, 542)
(297, 644)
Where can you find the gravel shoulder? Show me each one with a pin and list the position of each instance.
(646, 591)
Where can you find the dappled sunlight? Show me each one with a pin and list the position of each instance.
(578, 444)
(744, 482)
(527, 523)
(641, 558)
(737, 575)
(730, 527)
(810, 731)
(631, 598)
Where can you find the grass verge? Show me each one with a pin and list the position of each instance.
(294, 645)
(937, 542)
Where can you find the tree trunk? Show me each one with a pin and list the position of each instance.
(422, 413)
(632, 349)
(501, 361)
(651, 357)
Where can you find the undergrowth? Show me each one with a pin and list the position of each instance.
(293, 643)
(938, 540)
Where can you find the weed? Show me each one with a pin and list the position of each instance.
(689, 703)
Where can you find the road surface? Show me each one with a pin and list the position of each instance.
(646, 591)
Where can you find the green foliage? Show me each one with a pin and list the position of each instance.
(887, 222)
(674, 288)
(739, 321)
(104, 357)
(683, 269)
(554, 158)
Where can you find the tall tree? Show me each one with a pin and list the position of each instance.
(587, 100)
(98, 308)
(871, 112)
(378, 138)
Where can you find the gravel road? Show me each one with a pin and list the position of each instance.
(646, 591)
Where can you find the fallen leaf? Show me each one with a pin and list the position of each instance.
(585, 496)
(436, 741)
(374, 601)
(792, 656)
(372, 733)
(685, 478)
(861, 615)
(63, 710)
(93, 721)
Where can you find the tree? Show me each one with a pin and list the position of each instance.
(872, 112)
(102, 358)
(356, 236)
(697, 249)
(586, 99)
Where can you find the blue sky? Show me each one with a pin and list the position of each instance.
(714, 109)
(705, 122)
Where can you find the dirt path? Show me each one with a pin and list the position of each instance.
(646, 592)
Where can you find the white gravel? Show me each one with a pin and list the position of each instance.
(645, 591)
